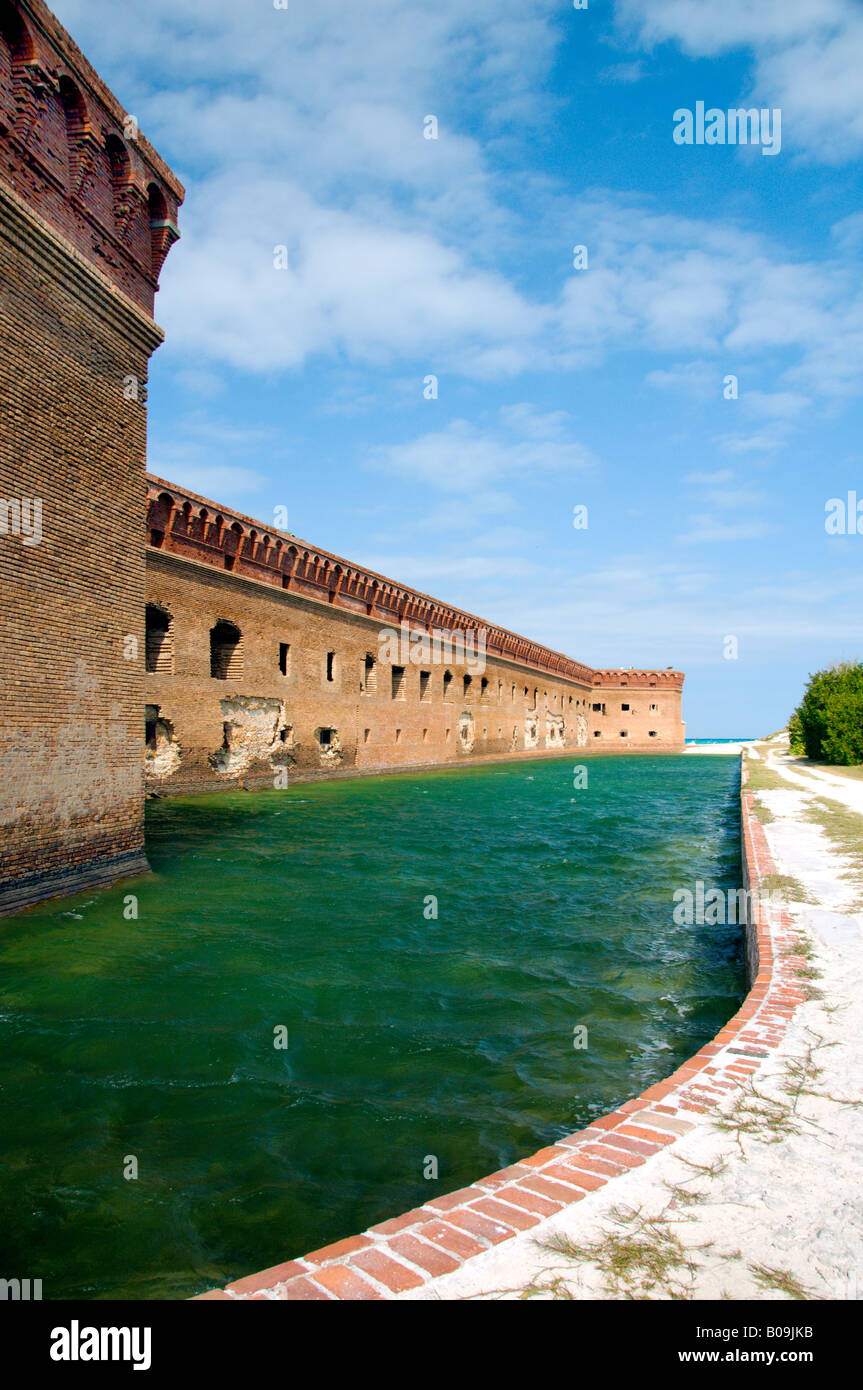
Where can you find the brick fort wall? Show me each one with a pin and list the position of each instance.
(268, 660)
(87, 214)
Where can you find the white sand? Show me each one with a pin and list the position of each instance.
(785, 1199)
(717, 748)
(828, 784)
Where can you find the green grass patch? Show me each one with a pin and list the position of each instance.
(855, 773)
(781, 1281)
(845, 829)
(762, 748)
(643, 1258)
(763, 778)
(785, 887)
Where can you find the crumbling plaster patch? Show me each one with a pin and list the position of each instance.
(255, 730)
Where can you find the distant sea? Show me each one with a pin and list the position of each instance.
(718, 740)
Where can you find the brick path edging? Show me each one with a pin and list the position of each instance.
(438, 1237)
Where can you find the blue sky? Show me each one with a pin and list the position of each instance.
(303, 127)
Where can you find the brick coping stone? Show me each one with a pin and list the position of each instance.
(435, 1239)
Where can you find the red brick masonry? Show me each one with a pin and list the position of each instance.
(435, 1239)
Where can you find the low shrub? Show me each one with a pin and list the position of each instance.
(827, 725)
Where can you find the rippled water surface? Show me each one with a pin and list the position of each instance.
(409, 1036)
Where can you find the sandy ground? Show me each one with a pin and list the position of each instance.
(829, 784)
(766, 1203)
(721, 748)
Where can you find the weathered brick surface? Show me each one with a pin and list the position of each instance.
(207, 566)
(78, 271)
(74, 155)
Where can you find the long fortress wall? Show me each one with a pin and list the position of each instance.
(268, 659)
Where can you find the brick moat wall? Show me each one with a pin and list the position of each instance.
(305, 688)
(85, 222)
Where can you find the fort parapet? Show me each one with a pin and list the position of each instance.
(88, 212)
(269, 658)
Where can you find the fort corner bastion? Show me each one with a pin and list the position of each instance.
(88, 213)
(172, 642)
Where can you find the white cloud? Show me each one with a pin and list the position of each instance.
(524, 418)
(808, 56)
(208, 455)
(774, 405)
(307, 125)
(765, 441)
(669, 283)
(625, 73)
(353, 286)
(465, 459)
(721, 475)
(704, 529)
(699, 380)
(723, 490)
(306, 131)
(221, 482)
(702, 30)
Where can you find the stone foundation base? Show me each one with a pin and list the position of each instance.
(78, 878)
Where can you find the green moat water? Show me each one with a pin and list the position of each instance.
(408, 1036)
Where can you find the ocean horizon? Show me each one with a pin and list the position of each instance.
(720, 740)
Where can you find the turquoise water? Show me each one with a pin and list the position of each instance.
(409, 1036)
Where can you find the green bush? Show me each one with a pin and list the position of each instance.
(828, 723)
(795, 735)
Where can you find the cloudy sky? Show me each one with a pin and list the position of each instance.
(303, 127)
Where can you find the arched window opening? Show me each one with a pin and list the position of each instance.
(118, 159)
(369, 684)
(226, 652)
(75, 113)
(16, 49)
(151, 716)
(162, 230)
(12, 31)
(159, 644)
(156, 203)
(234, 539)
